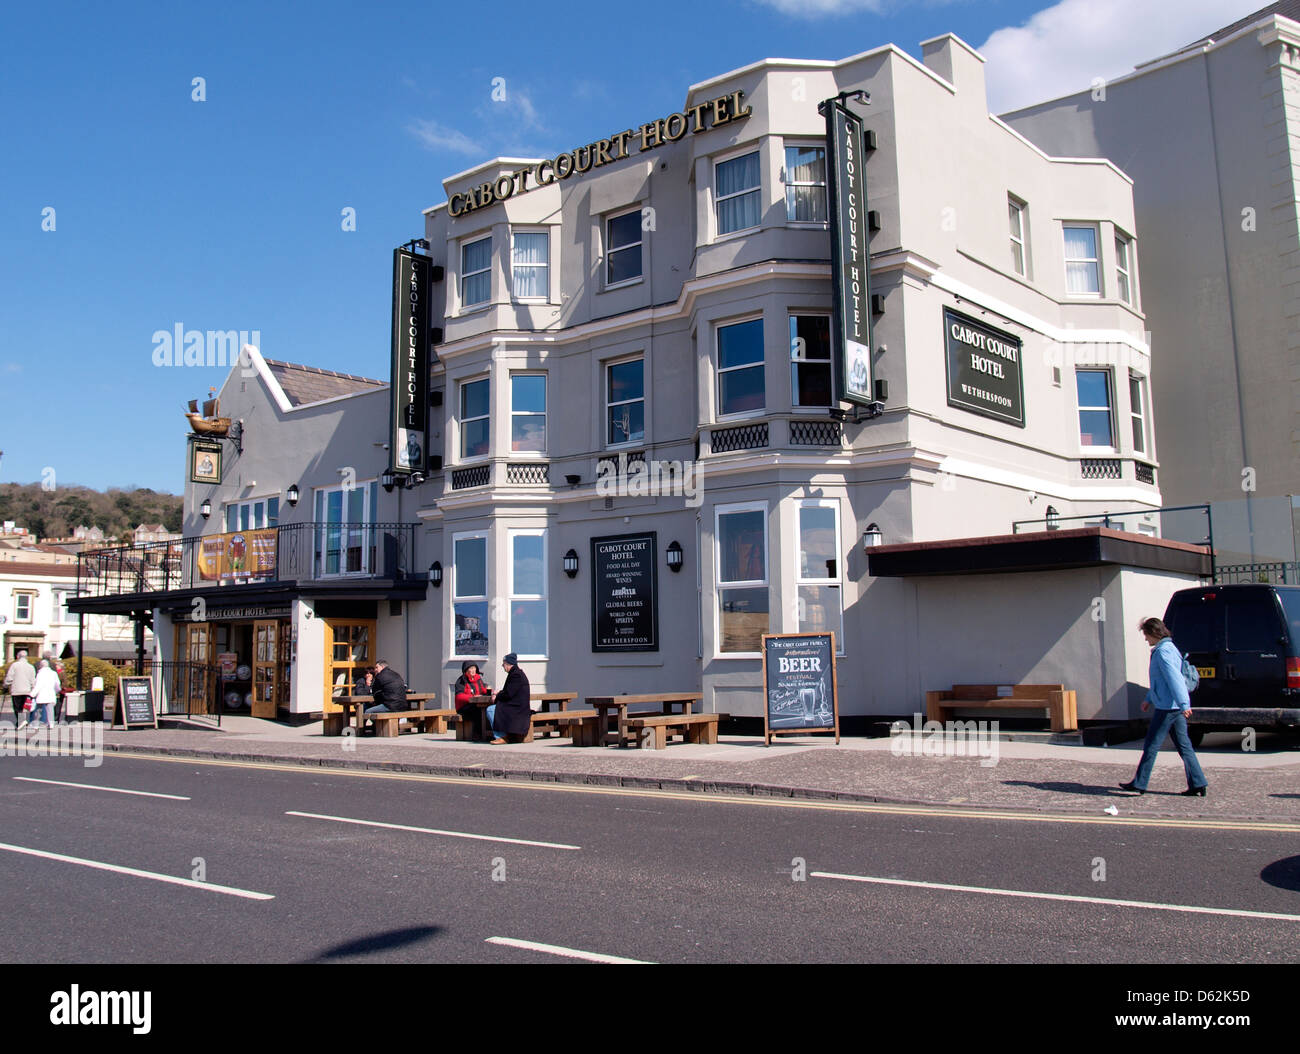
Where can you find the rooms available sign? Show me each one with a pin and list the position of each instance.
(983, 369)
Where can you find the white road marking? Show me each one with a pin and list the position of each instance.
(434, 830)
(91, 786)
(568, 953)
(1148, 904)
(211, 887)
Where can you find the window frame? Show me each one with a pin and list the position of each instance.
(545, 298)
(252, 514)
(610, 249)
(749, 148)
(30, 596)
(454, 596)
(1124, 287)
(543, 414)
(787, 182)
(1094, 261)
(1138, 415)
(719, 369)
(465, 304)
(795, 404)
(60, 615)
(719, 511)
(1021, 210)
(462, 420)
(607, 365)
(370, 556)
(1110, 409)
(513, 594)
(827, 581)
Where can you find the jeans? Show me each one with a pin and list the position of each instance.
(378, 708)
(1163, 723)
(491, 723)
(48, 716)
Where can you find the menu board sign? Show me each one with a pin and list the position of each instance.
(799, 685)
(624, 593)
(135, 702)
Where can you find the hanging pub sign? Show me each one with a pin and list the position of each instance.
(799, 685)
(205, 460)
(983, 369)
(624, 593)
(135, 705)
(408, 436)
(850, 254)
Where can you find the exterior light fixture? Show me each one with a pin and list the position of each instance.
(435, 574)
(205, 510)
(388, 480)
(675, 556)
(1053, 518)
(293, 495)
(571, 564)
(872, 536)
(573, 480)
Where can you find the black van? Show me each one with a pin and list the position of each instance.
(1245, 642)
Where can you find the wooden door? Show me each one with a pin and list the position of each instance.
(196, 684)
(265, 663)
(349, 649)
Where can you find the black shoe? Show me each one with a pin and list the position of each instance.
(1130, 786)
(1194, 792)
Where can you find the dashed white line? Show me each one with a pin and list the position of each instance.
(93, 787)
(210, 887)
(434, 830)
(1150, 905)
(568, 953)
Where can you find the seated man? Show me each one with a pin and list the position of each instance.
(511, 714)
(388, 690)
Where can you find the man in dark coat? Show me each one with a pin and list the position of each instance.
(388, 690)
(511, 714)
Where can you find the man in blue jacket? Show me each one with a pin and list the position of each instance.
(1173, 706)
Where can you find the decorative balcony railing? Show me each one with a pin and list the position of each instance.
(291, 552)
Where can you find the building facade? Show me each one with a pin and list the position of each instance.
(641, 462)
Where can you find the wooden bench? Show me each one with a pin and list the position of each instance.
(693, 728)
(389, 725)
(559, 722)
(550, 722)
(1060, 702)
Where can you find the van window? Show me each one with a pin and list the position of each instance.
(1252, 623)
(1192, 624)
(1291, 608)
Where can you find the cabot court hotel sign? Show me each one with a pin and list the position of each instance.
(711, 114)
(409, 411)
(983, 369)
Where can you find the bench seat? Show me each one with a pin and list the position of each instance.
(389, 725)
(694, 728)
(1060, 703)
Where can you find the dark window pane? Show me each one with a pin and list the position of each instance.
(1252, 624)
(624, 230)
(624, 265)
(740, 344)
(1093, 388)
(741, 390)
(528, 393)
(1193, 625)
(812, 384)
(474, 399)
(1094, 428)
(627, 423)
(740, 541)
(626, 381)
(475, 436)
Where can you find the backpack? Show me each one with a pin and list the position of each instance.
(1190, 677)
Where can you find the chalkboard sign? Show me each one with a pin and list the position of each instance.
(799, 685)
(135, 702)
(624, 593)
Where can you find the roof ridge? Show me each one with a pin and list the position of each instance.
(322, 372)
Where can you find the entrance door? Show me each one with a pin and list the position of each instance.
(349, 650)
(196, 682)
(266, 679)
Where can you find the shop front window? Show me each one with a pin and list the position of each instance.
(528, 593)
(818, 570)
(741, 570)
(470, 595)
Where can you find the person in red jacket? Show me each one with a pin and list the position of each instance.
(469, 684)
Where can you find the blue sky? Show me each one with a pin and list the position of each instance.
(226, 213)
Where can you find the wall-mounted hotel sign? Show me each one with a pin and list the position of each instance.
(205, 460)
(984, 374)
(408, 428)
(850, 253)
(624, 593)
(711, 114)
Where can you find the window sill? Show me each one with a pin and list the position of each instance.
(626, 284)
(473, 309)
(736, 234)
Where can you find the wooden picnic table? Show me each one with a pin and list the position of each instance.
(603, 704)
(336, 723)
(480, 703)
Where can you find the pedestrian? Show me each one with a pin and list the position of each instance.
(46, 693)
(1173, 706)
(19, 682)
(511, 714)
(57, 667)
(365, 686)
(388, 690)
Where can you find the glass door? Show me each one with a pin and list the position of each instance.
(350, 650)
(265, 660)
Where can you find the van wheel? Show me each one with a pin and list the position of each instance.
(1196, 735)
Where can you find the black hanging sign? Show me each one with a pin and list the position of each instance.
(850, 254)
(408, 439)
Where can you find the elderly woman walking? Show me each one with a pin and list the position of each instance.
(46, 692)
(1173, 706)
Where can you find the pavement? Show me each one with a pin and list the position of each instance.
(1260, 784)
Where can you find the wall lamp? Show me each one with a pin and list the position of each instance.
(388, 480)
(675, 556)
(1053, 518)
(205, 510)
(872, 536)
(571, 564)
(435, 574)
(293, 494)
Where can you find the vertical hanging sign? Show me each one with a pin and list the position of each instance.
(850, 253)
(408, 438)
